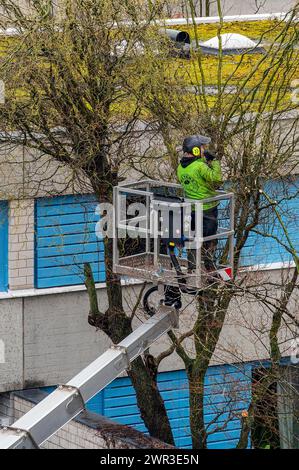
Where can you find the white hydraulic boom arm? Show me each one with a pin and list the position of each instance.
(67, 401)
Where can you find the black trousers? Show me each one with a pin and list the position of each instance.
(210, 226)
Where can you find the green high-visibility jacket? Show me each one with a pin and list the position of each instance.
(199, 179)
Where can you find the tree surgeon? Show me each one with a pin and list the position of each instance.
(199, 172)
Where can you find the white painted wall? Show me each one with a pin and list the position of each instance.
(48, 339)
(233, 7)
(11, 336)
(239, 7)
(21, 244)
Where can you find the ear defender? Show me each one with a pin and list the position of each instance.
(196, 151)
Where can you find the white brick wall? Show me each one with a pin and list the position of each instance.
(76, 435)
(21, 244)
(6, 407)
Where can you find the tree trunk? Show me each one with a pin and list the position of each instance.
(212, 308)
(207, 7)
(117, 325)
(150, 402)
(246, 426)
(200, 8)
(196, 392)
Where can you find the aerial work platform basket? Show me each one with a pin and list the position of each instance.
(149, 215)
(152, 220)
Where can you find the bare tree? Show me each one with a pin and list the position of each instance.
(80, 84)
(68, 96)
(254, 147)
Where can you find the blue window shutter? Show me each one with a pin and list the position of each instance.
(65, 239)
(227, 393)
(260, 250)
(3, 246)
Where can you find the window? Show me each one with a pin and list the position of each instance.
(275, 402)
(3, 246)
(65, 239)
(288, 407)
(265, 427)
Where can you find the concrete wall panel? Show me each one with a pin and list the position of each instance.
(11, 339)
(59, 342)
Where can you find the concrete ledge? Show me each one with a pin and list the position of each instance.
(197, 20)
(15, 294)
(20, 293)
(226, 19)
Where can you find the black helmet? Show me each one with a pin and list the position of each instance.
(193, 143)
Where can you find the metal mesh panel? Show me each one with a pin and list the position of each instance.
(149, 260)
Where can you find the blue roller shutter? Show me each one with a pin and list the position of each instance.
(65, 239)
(227, 393)
(260, 250)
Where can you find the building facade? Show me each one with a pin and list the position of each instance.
(47, 232)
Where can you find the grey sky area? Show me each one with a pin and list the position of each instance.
(238, 7)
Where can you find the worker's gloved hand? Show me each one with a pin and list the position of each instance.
(209, 156)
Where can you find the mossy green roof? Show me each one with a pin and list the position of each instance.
(266, 30)
(234, 70)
